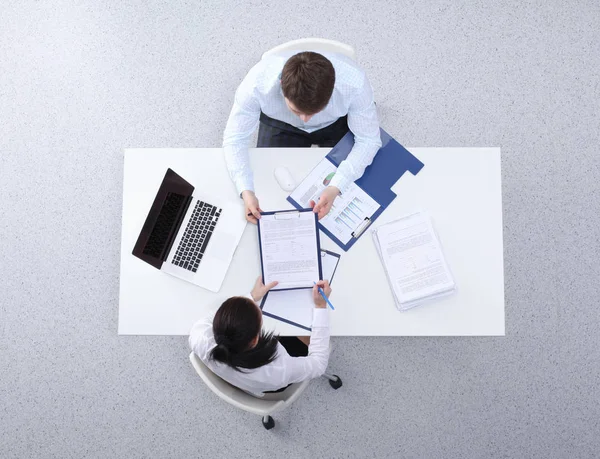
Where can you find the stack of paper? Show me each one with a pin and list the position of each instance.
(413, 260)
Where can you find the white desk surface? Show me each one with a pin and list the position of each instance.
(459, 187)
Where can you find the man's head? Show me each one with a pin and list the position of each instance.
(307, 82)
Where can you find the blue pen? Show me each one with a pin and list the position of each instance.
(324, 297)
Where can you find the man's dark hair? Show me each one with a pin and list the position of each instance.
(307, 80)
(236, 324)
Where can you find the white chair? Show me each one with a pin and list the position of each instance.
(264, 407)
(313, 44)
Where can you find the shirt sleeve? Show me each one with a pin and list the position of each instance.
(314, 365)
(363, 122)
(200, 335)
(243, 121)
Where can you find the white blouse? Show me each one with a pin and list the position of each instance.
(282, 371)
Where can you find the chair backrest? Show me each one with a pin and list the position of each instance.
(313, 44)
(240, 399)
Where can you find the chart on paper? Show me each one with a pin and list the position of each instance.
(349, 209)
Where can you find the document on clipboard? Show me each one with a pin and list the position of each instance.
(295, 307)
(289, 248)
(366, 198)
(351, 212)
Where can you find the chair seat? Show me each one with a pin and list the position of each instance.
(269, 404)
(313, 44)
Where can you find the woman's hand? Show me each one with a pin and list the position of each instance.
(261, 289)
(317, 298)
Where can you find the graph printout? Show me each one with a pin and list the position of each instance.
(349, 209)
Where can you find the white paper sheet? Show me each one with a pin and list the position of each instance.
(413, 260)
(349, 209)
(289, 246)
(297, 305)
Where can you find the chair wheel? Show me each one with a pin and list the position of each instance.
(269, 423)
(337, 383)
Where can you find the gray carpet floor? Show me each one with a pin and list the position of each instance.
(82, 80)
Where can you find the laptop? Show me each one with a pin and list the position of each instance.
(190, 235)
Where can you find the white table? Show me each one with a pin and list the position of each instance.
(459, 187)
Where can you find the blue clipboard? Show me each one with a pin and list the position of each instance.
(286, 214)
(390, 163)
(288, 321)
(273, 316)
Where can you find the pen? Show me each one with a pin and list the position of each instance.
(324, 297)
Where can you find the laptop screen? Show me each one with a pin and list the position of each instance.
(164, 219)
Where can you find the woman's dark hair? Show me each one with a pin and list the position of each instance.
(307, 80)
(236, 324)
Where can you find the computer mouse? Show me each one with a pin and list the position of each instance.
(284, 178)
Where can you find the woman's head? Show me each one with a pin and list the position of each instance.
(241, 343)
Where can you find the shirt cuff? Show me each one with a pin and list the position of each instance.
(243, 185)
(340, 182)
(320, 317)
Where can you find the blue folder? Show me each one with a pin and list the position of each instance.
(390, 163)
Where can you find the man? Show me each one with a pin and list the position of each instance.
(306, 99)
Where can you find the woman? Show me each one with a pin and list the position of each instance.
(234, 346)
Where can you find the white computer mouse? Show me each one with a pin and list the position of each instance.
(284, 178)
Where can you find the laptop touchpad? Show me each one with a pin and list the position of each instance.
(220, 246)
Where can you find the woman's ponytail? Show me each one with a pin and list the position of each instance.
(222, 354)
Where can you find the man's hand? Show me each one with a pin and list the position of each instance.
(261, 289)
(317, 298)
(251, 206)
(323, 207)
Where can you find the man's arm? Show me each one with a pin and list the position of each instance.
(243, 121)
(363, 122)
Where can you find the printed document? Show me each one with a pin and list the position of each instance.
(413, 260)
(289, 244)
(349, 209)
(297, 306)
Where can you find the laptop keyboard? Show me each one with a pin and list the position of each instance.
(164, 224)
(197, 233)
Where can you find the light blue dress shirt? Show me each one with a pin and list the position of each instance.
(261, 91)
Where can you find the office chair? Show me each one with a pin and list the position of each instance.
(270, 404)
(313, 44)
